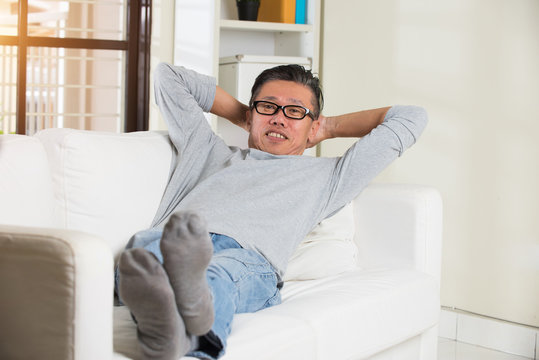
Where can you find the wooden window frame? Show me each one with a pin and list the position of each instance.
(137, 47)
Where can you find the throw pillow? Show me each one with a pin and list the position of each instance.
(327, 250)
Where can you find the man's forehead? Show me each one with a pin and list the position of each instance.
(288, 99)
(286, 91)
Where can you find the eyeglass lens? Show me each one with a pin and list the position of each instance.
(290, 111)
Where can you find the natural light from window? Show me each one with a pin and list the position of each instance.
(65, 87)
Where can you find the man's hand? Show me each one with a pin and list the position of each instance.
(356, 124)
(323, 132)
(228, 107)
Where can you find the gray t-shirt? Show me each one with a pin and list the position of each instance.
(265, 202)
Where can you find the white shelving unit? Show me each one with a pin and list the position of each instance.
(208, 30)
(227, 24)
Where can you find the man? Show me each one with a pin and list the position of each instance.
(231, 218)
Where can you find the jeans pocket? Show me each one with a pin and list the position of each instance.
(257, 291)
(253, 278)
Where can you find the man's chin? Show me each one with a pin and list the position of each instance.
(275, 149)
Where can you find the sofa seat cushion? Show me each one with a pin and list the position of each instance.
(264, 336)
(351, 315)
(359, 313)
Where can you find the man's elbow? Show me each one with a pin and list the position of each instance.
(419, 117)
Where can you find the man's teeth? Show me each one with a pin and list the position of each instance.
(274, 134)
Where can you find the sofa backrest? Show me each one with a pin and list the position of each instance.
(107, 184)
(26, 195)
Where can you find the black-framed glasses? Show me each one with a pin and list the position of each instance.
(294, 112)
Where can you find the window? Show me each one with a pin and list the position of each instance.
(79, 64)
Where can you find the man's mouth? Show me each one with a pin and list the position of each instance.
(276, 135)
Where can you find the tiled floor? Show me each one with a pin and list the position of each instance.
(452, 350)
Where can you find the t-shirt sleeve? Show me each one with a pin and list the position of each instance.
(371, 154)
(183, 96)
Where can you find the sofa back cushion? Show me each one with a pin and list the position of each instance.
(26, 197)
(107, 184)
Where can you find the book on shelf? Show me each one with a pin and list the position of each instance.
(301, 11)
(283, 11)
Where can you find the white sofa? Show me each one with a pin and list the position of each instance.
(70, 200)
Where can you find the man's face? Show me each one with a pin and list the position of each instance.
(277, 134)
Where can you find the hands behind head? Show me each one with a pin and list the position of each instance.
(321, 134)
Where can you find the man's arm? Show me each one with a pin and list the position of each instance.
(183, 96)
(396, 129)
(228, 107)
(357, 124)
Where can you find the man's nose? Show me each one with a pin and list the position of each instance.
(279, 119)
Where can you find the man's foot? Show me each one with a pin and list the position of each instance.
(145, 289)
(187, 250)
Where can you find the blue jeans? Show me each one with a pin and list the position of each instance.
(240, 280)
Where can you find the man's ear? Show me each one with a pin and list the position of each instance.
(315, 125)
(248, 120)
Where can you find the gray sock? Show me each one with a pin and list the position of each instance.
(187, 250)
(145, 289)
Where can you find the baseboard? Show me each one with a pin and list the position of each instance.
(489, 333)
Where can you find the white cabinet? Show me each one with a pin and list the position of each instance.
(206, 31)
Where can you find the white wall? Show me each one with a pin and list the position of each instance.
(162, 50)
(474, 65)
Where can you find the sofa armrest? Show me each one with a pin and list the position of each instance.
(56, 294)
(399, 226)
